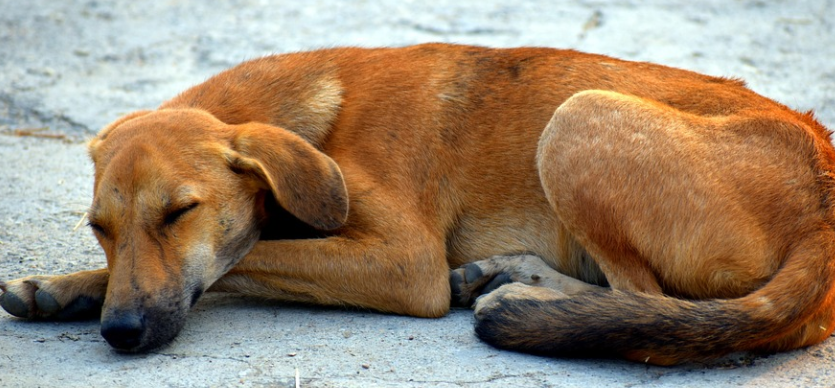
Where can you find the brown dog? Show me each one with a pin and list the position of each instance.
(361, 176)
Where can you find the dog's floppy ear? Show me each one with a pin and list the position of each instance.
(303, 180)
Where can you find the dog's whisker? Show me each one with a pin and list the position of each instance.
(80, 222)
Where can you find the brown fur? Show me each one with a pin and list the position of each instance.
(369, 173)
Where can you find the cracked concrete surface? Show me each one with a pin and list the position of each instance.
(70, 67)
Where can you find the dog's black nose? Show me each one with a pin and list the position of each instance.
(123, 330)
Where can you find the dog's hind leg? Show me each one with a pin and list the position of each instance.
(729, 215)
(78, 295)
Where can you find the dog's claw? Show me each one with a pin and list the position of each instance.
(46, 303)
(14, 305)
(455, 281)
(472, 272)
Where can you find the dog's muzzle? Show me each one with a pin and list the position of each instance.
(141, 330)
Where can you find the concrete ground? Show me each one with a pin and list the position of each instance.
(69, 67)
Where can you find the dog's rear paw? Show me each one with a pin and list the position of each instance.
(482, 277)
(37, 297)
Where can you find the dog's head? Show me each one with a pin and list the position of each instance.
(179, 199)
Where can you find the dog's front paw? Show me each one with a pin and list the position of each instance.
(16, 299)
(20, 298)
(41, 297)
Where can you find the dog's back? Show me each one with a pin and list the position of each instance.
(452, 132)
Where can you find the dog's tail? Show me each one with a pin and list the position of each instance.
(793, 309)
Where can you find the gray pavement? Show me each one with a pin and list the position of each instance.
(69, 67)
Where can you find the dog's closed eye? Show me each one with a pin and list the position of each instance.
(175, 215)
(97, 228)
